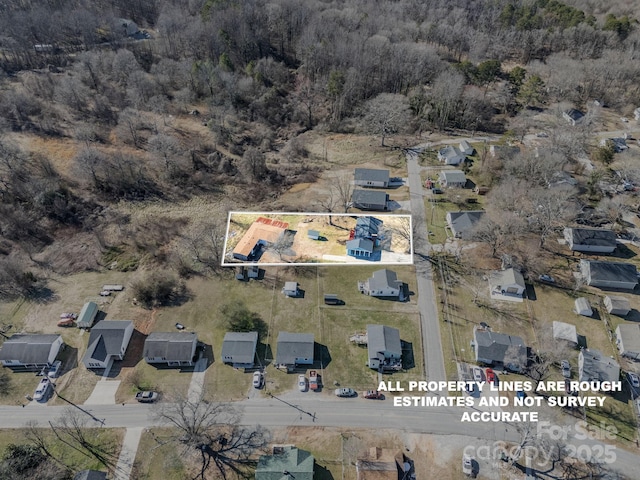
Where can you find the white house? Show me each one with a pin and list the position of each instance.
(628, 340)
(590, 240)
(174, 349)
(25, 351)
(466, 148)
(108, 341)
(507, 285)
(383, 283)
(450, 155)
(453, 179)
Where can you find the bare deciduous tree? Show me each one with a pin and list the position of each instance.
(209, 431)
(386, 114)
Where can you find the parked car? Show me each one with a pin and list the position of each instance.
(302, 383)
(146, 397)
(105, 293)
(544, 278)
(42, 390)
(491, 376)
(345, 392)
(477, 374)
(633, 379)
(67, 322)
(373, 395)
(566, 368)
(54, 369)
(467, 464)
(258, 379)
(436, 191)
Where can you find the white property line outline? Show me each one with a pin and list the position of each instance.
(309, 264)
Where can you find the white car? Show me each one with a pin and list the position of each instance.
(258, 379)
(302, 383)
(42, 389)
(467, 465)
(54, 369)
(477, 374)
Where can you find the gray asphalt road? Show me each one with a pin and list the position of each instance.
(427, 303)
(324, 411)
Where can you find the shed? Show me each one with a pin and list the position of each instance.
(331, 299)
(617, 305)
(582, 307)
(566, 332)
(87, 315)
(313, 234)
(290, 289)
(466, 148)
(113, 287)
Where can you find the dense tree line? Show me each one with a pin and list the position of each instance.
(111, 77)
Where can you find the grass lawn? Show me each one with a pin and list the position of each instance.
(159, 458)
(74, 459)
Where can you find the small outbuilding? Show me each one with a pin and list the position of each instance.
(87, 315)
(291, 289)
(466, 148)
(582, 307)
(565, 332)
(617, 305)
(628, 340)
(313, 234)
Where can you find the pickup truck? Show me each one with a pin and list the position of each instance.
(314, 380)
(146, 397)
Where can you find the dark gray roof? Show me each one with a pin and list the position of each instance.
(495, 346)
(369, 174)
(360, 244)
(381, 338)
(367, 227)
(240, 346)
(382, 279)
(463, 222)
(28, 348)
(598, 367)
(174, 346)
(90, 475)
(371, 197)
(612, 271)
(106, 338)
(574, 114)
(593, 236)
(292, 346)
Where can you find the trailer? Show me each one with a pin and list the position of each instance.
(314, 380)
(113, 288)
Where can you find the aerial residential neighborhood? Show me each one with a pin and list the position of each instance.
(295, 239)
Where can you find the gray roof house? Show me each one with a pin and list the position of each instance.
(617, 305)
(628, 340)
(451, 155)
(573, 116)
(499, 349)
(87, 315)
(239, 349)
(294, 349)
(368, 178)
(175, 349)
(609, 274)
(108, 341)
(26, 351)
(596, 240)
(565, 332)
(360, 247)
(383, 283)
(461, 223)
(369, 200)
(286, 463)
(594, 366)
(367, 227)
(453, 178)
(507, 284)
(384, 348)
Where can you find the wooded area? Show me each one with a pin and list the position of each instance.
(116, 85)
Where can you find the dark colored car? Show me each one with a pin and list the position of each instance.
(373, 395)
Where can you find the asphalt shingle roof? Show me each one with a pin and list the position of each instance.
(106, 339)
(292, 346)
(291, 463)
(372, 175)
(28, 348)
(240, 346)
(174, 346)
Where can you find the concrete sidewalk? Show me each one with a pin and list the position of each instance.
(128, 453)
